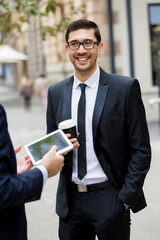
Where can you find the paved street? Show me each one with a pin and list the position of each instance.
(26, 126)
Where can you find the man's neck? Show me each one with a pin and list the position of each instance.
(83, 76)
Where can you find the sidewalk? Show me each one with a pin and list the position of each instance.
(8, 94)
(24, 126)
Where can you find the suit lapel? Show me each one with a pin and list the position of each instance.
(67, 96)
(100, 100)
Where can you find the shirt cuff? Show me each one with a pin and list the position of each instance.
(44, 173)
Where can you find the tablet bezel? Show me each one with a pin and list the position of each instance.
(63, 150)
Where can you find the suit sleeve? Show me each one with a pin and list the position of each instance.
(15, 189)
(140, 150)
(51, 123)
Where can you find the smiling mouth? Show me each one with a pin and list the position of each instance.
(82, 59)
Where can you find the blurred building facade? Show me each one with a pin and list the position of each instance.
(131, 35)
(11, 70)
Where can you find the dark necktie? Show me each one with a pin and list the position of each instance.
(82, 166)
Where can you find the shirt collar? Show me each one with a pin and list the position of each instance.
(91, 82)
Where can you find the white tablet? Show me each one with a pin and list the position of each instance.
(37, 149)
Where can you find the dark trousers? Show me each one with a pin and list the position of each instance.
(93, 214)
(27, 102)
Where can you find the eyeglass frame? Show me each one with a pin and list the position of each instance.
(82, 43)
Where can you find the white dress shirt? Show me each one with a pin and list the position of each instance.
(44, 173)
(95, 174)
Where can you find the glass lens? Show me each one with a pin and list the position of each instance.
(74, 45)
(88, 44)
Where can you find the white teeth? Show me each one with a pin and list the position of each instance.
(82, 59)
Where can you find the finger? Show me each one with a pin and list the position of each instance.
(76, 145)
(68, 135)
(28, 160)
(30, 164)
(73, 140)
(17, 149)
(61, 157)
(54, 149)
(26, 157)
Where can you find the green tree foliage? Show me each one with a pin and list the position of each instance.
(24, 9)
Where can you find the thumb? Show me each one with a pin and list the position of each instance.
(54, 149)
(17, 149)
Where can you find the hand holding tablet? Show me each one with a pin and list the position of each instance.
(37, 149)
(52, 162)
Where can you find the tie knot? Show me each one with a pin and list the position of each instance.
(82, 86)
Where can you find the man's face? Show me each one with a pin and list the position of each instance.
(84, 60)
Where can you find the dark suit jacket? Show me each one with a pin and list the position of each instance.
(120, 134)
(14, 189)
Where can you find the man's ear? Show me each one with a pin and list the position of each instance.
(66, 47)
(100, 47)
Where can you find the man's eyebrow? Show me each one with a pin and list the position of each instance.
(87, 39)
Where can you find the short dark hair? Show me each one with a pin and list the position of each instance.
(83, 24)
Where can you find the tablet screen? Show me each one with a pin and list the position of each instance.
(37, 149)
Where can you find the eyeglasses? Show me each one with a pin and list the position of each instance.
(87, 44)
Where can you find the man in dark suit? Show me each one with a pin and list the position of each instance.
(114, 143)
(17, 189)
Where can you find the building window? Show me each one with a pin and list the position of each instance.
(154, 24)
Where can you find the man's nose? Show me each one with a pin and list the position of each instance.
(81, 48)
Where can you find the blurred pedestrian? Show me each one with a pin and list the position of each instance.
(17, 185)
(26, 90)
(40, 89)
